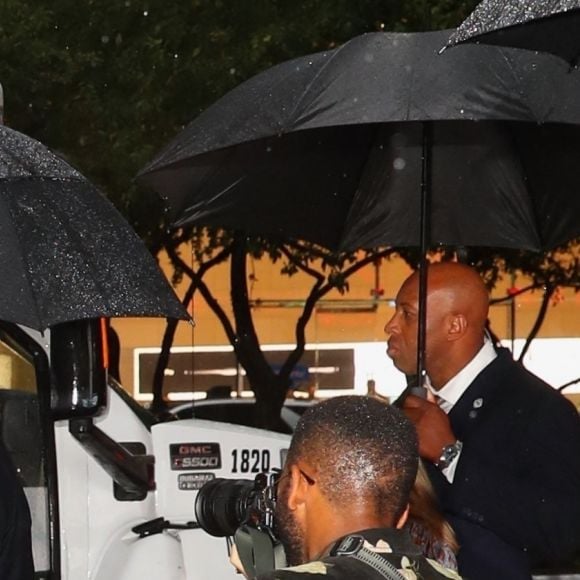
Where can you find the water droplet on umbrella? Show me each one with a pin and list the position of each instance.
(369, 57)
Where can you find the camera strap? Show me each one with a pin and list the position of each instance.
(259, 552)
(353, 547)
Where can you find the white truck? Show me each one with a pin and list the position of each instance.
(111, 493)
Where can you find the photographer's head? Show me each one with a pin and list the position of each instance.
(351, 465)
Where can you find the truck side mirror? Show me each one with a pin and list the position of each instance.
(78, 355)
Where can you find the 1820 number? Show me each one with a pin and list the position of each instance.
(250, 460)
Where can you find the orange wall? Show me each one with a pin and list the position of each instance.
(276, 325)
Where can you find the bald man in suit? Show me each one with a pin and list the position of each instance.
(502, 447)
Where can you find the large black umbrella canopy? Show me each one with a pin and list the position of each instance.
(329, 147)
(543, 25)
(65, 252)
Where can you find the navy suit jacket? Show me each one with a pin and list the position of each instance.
(515, 497)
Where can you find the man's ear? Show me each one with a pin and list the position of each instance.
(457, 326)
(403, 519)
(297, 488)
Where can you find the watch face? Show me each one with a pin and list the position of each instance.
(448, 453)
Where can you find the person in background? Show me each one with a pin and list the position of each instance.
(501, 446)
(427, 526)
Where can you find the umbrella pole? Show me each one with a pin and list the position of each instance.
(424, 247)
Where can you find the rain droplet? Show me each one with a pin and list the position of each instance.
(104, 39)
(232, 71)
(175, 55)
(399, 163)
(268, 149)
(462, 111)
(145, 12)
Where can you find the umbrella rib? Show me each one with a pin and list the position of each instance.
(334, 55)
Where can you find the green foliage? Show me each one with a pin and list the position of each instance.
(108, 82)
(560, 267)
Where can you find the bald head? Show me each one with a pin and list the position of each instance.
(457, 310)
(456, 288)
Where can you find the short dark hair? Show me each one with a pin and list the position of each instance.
(362, 449)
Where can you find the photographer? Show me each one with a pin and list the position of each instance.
(343, 495)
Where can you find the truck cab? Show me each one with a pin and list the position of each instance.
(111, 492)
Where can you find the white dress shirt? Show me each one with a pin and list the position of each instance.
(451, 391)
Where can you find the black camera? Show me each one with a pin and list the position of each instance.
(223, 505)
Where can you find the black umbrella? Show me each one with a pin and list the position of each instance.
(328, 148)
(543, 25)
(65, 252)
(347, 148)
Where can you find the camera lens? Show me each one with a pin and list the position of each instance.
(222, 505)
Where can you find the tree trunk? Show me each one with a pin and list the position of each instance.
(270, 389)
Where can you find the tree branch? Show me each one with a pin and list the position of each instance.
(539, 320)
(221, 256)
(301, 265)
(318, 291)
(517, 293)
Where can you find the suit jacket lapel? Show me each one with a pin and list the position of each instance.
(471, 406)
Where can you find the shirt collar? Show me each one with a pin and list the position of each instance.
(451, 391)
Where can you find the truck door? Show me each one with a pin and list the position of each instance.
(27, 436)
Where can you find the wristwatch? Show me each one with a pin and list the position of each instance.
(448, 454)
